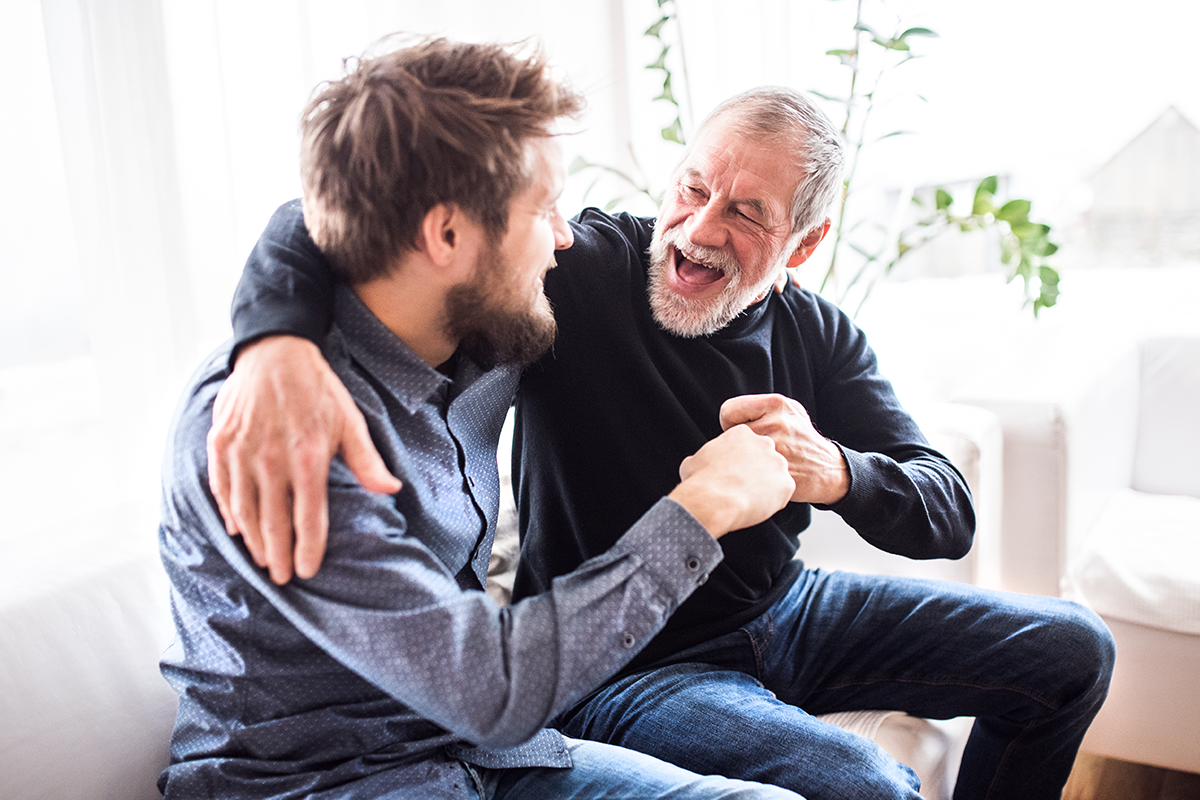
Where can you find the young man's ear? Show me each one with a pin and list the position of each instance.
(808, 244)
(440, 234)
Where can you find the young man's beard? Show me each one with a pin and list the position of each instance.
(492, 326)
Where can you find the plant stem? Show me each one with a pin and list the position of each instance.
(831, 272)
(687, 84)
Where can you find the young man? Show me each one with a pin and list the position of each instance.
(668, 334)
(431, 181)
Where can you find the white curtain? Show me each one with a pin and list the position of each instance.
(154, 140)
(148, 141)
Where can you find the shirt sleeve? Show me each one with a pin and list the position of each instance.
(389, 610)
(905, 497)
(385, 607)
(286, 286)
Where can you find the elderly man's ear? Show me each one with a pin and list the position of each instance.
(808, 244)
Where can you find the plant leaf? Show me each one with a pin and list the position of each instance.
(917, 32)
(656, 28)
(667, 94)
(844, 101)
(661, 63)
(1014, 211)
(1030, 231)
(862, 251)
(674, 132)
(844, 56)
(944, 200)
(985, 194)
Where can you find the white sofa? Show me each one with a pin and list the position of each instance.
(84, 712)
(1102, 504)
(84, 616)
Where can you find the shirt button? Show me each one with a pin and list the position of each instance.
(628, 641)
(692, 563)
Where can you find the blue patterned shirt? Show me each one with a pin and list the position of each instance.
(376, 677)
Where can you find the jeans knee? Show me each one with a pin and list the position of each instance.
(868, 772)
(1092, 648)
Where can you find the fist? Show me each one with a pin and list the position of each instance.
(734, 481)
(816, 464)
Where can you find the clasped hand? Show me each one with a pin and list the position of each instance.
(815, 463)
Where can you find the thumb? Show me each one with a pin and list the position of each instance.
(363, 459)
(743, 409)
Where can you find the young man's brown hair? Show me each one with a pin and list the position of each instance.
(433, 121)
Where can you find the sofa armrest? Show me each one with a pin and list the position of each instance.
(971, 438)
(1069, 426)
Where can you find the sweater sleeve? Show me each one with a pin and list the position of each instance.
(905, 497)
(286, 286)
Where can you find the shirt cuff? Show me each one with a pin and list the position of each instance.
(674, 546)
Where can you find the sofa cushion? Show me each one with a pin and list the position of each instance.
(1141, 561)
(1167, 460)
(84, 712)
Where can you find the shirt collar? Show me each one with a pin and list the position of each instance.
(388, 359)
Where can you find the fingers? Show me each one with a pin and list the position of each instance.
(781, 281)
(733, 481)
(787, 276)
(359, 451)
(243, 513)
(277, 423)
(310, 509)
(749, 408)
(275, 526)
(218, 480)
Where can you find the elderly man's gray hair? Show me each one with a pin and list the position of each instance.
(783, 115)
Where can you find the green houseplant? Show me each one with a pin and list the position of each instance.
(863, 250)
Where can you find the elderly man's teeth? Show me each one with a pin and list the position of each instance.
(697, 274)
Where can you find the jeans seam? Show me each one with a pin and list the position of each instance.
(476, 779)
(1046, 703)
(757, 647)
(1004, 758)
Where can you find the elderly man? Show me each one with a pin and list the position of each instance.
(668, 334)
(431, 180)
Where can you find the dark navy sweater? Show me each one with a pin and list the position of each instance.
(605, 418)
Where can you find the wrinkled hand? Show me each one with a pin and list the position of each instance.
(278, 421)
(734, 481)
(815, 463)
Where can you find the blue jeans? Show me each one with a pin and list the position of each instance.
(614, 773)
(1033, 671)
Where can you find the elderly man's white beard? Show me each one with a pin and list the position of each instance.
(688, 317)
